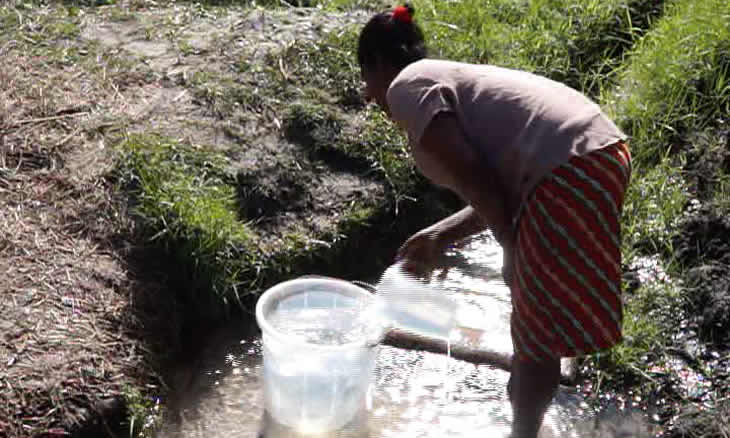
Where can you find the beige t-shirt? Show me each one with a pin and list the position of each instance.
(524, 125)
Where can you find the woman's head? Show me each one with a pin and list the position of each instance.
(391, 37)
(389, 42)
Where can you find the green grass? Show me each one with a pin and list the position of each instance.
(579, 43)
(677, 79)
(654, 202)
(673, 85)
(327, 65)
(653, 307)
(313, 124)
(312, 90)
(144, 413)
(185, 204)
(43, 30)
(315, 88)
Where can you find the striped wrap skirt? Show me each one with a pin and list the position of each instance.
(566, 260)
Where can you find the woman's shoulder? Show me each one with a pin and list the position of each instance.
(467, 76)
(440, 68)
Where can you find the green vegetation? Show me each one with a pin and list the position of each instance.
(144, 413)
(46, 35)
(655, 201)
(331, 65)
(579, 43)
(190, 203)
(185, 204)
(677, 81)
(673, 86)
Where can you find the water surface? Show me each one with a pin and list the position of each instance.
(414, 393)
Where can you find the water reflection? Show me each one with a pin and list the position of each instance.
(414, 393)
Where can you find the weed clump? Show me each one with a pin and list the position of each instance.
(312, 124)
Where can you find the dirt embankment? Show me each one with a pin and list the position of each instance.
(82, 327)
(70, 340)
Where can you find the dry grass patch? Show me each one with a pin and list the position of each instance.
(71, 335)
(66, 344)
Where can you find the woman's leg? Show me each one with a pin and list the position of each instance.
(532, 388)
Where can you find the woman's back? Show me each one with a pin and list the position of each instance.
(524, 124)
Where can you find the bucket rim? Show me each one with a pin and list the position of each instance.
(282, 289)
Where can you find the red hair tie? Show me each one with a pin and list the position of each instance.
(402, 14)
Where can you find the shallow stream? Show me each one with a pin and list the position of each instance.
(414, 393)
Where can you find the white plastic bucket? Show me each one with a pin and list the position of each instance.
(314, 387)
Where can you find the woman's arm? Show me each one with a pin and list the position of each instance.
(458, 226)
(450, 155)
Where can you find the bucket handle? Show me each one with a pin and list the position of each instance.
(363, 284)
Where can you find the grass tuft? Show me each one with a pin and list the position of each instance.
(312, 124)
(184, 201)
(654, 203)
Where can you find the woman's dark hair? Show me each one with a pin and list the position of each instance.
(391, 37)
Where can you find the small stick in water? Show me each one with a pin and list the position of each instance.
(411, 341)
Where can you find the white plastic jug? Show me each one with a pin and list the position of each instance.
(318, 363)
(406, 303)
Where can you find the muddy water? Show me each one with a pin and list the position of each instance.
(414, 394)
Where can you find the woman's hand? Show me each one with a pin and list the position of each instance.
(421, 251)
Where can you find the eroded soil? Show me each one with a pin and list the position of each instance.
(283, 187)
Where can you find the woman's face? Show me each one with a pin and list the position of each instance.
(377, 80)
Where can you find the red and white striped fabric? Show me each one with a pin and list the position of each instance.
(566, 283)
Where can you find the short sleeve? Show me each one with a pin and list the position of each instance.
(414, 103)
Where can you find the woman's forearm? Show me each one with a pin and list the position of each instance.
(460, 225)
